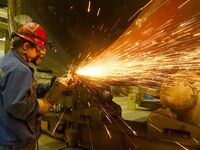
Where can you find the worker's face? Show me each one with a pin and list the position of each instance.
(34, 53)
(29, 51)
(41, 52)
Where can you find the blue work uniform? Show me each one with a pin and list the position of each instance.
(19, 110)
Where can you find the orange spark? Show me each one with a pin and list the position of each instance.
(163, 44)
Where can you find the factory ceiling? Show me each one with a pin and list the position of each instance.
(3, 18)
(3, 3)
(81, 27)
(85, 25)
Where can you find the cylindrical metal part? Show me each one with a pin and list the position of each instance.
(179, 92)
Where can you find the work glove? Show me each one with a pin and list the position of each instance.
(60, 85)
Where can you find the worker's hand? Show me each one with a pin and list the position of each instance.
(68, 80)
(65, 79)
(73, 81)
(44, 105)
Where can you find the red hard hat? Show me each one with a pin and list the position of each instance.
(33, 32)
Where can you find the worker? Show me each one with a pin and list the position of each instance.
(20, 109)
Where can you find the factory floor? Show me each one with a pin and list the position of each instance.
(48, 143)
(130, 111)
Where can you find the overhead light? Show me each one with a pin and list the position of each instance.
(3, 39)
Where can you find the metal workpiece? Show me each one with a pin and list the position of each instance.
(180, 93)
(95, 103)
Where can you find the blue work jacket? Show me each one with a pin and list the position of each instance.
(19, 110)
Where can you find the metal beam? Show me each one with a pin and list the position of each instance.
(3, 26)
(3, 13)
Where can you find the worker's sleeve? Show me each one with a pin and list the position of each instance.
(18, 94)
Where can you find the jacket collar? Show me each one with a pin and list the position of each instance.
(16, 53)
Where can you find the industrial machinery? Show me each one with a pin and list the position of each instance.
(94, 121)
(87, 117)
(178, 118)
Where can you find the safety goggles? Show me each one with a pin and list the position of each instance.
(40, 50)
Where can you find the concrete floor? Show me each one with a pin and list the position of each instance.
(48, 143)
